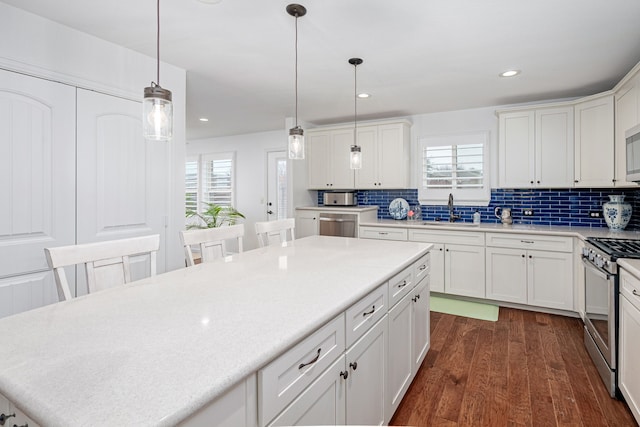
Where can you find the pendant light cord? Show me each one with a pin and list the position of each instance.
(296, 70)
(355, 100)
(158, 43)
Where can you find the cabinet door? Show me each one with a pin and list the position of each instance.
(121, 178)
(367, 176)
(322, 403)
(306, 223)
(393, 167)
(421, 333)
(554, 147)
(37, 186)
(629, 375)
(579, 299)
(516, 151)
(594, 154)
(436, 275)
(318, 156)
(400, 361)
(366, 363)
(627, 114)
(339, 163)
(550, 279)
(506, 275)
(464, 270)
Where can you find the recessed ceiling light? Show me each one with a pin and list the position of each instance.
(364, 95)
(203, 119)
(510, 73)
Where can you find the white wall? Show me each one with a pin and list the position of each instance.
(36, 46)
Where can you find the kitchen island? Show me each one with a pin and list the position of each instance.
(159, 350)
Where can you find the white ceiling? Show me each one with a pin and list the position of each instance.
(420, 56)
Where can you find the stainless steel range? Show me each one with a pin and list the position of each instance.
(601, 302)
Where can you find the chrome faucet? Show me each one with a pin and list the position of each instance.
(452, 215)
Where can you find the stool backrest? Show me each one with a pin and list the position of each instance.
(212, 242)
(275, 232)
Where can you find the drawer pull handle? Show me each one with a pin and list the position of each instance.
(635, 293)
(422, 267)
(353, 365)
(403, 284)
(415, 298)
(527, 241)
(367, 313)
(383, 233)
(315, 359)
(5, 417)
(344, 374)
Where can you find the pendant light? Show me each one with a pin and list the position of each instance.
(356, 152)
(296, 134)
(157, 109)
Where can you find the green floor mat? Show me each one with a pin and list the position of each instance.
(465, 308)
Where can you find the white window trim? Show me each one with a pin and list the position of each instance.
(464, 197)
(202, 159)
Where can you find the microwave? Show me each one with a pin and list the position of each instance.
(632, 138)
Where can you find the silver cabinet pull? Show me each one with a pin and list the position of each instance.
(367, 313)
(382, 233)
(527, 241)
(314, 360)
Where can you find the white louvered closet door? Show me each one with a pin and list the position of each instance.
(37, 186)
(122, 179)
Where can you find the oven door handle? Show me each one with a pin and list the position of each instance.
(596, 270)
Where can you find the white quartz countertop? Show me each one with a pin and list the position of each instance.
(339, 208)
(581, 232)
(155, 351)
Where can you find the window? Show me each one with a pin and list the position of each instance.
(209, 178)
(454, 164)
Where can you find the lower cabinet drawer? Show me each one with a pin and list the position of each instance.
(630, 287)
(365, 313)
(539, 242)
(286, 377)
(400, 285)
(421, 268)
(383, 233)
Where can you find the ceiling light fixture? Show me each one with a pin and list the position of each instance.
(157, 109)
(356, 152)
(296, 134)
(510, 73)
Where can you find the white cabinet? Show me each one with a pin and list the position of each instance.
(37, 186)
(530, 269)
(400, 364)
(627, 115)
(385, 156)
(365, 362)
(535, 148)
(323, 403)
(594, 143)
(383, 233)
(328, 159)
(457, 261)
(306, 223)
(629, 345)
(421, 332)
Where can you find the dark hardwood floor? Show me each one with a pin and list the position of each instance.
(526, 369)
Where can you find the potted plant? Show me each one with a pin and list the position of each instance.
(214, 216)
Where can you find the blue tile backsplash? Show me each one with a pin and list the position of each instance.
(569, 207)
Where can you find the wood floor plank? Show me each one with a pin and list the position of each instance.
(480, 373)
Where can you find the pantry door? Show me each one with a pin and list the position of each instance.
(37, 186)
(123, 180)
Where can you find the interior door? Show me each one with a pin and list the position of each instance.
(277, 189)
(37, 186)
(122, 179)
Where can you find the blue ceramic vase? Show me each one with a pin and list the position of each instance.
(617, 213)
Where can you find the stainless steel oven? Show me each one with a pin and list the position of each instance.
(601, 285)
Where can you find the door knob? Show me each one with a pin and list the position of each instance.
(270, 212)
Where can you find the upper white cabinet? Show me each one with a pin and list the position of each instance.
(594, 143)
(627, 115)
(385, 156)
(328, 159)
(535, 148)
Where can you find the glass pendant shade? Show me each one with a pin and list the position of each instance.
(296, 143)
(355, 160)
(157, 114)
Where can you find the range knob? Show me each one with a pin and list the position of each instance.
(599, 261)
(585, 252)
